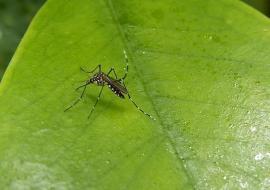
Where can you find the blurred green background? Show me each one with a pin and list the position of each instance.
(15, 16)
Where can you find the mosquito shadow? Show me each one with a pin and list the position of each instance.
(103, 102)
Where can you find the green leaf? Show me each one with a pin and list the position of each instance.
(201, 68)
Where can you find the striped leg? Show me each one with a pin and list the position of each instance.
(79, 99)
(134, 103)
(94, 106)
(126, 60)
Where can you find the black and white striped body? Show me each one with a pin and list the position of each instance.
(114, 85)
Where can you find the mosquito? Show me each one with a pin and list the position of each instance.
(116, 85)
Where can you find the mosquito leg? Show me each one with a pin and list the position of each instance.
(81, 86)
(79, 99)
(94, 106)
(126, 69)
(97, 67)
(134, 103)
(112, 69)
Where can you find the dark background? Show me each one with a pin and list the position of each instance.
(261, 5)
(15, 16)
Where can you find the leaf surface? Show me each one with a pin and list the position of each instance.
(201, 68)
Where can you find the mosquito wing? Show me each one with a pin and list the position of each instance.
(116, 84)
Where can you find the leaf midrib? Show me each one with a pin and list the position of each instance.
(165, 131)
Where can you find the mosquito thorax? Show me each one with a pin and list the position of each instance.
(97, 79)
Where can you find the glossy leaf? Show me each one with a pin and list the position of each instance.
(201, 68)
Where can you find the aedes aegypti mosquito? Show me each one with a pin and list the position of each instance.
(116, 85)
